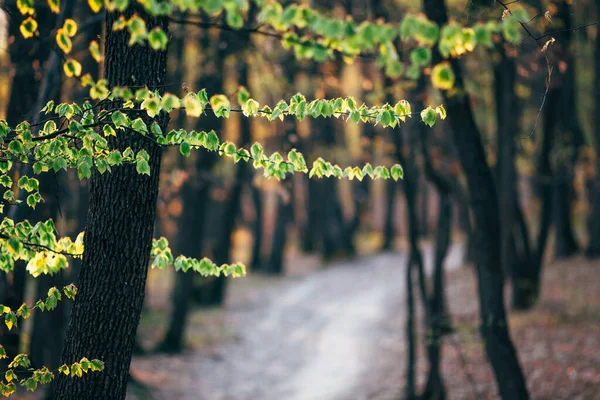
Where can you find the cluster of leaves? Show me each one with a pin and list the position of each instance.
(24, 311)
(38, 245)
(20, 371)
(162, 257)
(307, 32)
(81, 141)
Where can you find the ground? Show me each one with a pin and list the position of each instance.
(337, 333)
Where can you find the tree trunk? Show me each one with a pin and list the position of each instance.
(410, 390)
(593, 249)
(415, 259)
(484, 202)
(505, 73)
(257, 231)
(572, 136)
(275, 264)
(118, 238)
(388, 230)
(437, 322)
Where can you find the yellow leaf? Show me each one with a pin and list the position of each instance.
(95, 5)
(192, 105)
(25, 7)
(28, 27)
(72, 68)
(54, 6)
(95, 51)
(70, 27)
(63, 40)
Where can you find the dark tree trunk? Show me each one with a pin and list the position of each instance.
(484, 202)
(516, 256)
(311, 232)
(257, 231)
(572, 136)
(566, 244)
(410, 390)
(437, 322)
(275, 263)
(415, 259)
(118, 238)
(593, 249)
(507, 116)
(388, 230)
(424, 226)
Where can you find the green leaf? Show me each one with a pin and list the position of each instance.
(30, 384)
(212, 141)
(139, 126)
(402, 110)
(185, 149)
(119, 119)
(397, 172)
(428, 116)
(420, 56)
(158, 39)
(97, 365)
(142, 167)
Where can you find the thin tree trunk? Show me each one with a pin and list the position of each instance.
(389, 231)
(566, 244)
(257, 231)
(275, 263)
(484, 202)
(118, 238)
(505, 73)
(437, 322)
(410, 389)
(415, 259)
(593, 249)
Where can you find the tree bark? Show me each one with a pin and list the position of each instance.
(484, 202)
(118, 238)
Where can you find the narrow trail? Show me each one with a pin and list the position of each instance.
(309, 338)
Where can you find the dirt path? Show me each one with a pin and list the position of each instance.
(309, 338)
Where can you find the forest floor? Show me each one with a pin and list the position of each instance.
(337, 333)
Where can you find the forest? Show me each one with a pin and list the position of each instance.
(300, 199)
